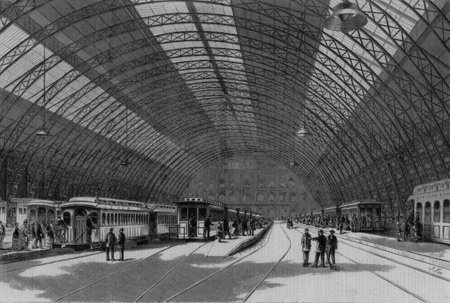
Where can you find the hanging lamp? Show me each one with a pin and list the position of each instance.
(126, 161)
(303, 132)
(346, 17)
(42, 132)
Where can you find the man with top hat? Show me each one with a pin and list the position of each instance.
(331, 247)
(320, 249)
(306, 246)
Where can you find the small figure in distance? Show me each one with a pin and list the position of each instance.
(306, 246)
(320, 249)
(110, 240)
(207, 228)
(226, 227)
(121, 243)
(220, 231)
(331, 248)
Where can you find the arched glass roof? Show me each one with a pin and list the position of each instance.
(176, 85)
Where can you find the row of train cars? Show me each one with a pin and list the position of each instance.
(86, 220)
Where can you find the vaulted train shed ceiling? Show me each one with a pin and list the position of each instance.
(175, 86)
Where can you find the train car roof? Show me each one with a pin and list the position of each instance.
(39, 202)
(200, 200)
(105, 203)
(432, 187)
(162, 208)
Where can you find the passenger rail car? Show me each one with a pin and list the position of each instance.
(166, 218)
(42, 211)
(192, 213)
(3, 211)
(432, 203)
(363, 215)
(88, 219)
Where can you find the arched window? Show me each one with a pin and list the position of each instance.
(103, 219)
(427, 212)
(32, 215)
(107, 219)
(66, 218)
(419, 211)
(115, 219)
(446, 211)
(437, 212)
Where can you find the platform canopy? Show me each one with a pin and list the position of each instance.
(131, 98)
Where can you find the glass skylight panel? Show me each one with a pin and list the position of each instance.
(173, 28)
(148, 9)
(220, 45)
(219, 28)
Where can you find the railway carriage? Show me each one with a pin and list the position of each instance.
(89, 219)
(432, 203)
(41, 211)
(3, 211)
(166, 218)
(192, 213)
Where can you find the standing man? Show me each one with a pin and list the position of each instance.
(207, 228)
(89, 227)
(2, 234)
(110, 240)
(252, 226)
(121, 243)
(306, 246)
(331, 248)
(320, 249)
(226, 227)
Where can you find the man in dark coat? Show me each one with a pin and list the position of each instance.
(226, 227)
(207, 228)
(121, 243)
(320, 249)
(306, 246)
(331, 247)
(110, 240)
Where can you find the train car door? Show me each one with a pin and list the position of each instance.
(193, 222)
(80, 227)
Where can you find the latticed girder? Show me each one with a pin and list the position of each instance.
(176, 85)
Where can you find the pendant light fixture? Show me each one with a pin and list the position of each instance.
(126, 161)
(346, 17)
(303, 132)
(42, 132)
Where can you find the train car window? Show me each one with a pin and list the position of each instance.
(32, 215)
(419, 210)
(103, 219)
(184, 214)
(427, 212)
(107, 219)
(51, 215)
(202, 213)
(115, 219)
(66, 218)
(446, 211)
(437, 212)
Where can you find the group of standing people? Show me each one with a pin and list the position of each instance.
(32, 233)
(111, 240)
(324, 245)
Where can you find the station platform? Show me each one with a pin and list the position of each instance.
(269, 271)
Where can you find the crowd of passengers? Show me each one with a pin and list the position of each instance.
(409, 228)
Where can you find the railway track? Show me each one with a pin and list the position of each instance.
(229, 266)
(133, 264)
(371, 251)
(391, 282)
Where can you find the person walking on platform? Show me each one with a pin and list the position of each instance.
(252, 226)
(24, 234)
(320, 249)
(2, 234)
(245, 226)
(38, 235)
(110, 240)
(306, 246)
(226, 227)
(207, 228)
(331, 248)
(121, 244)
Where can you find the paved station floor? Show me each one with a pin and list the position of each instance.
(270, 271)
